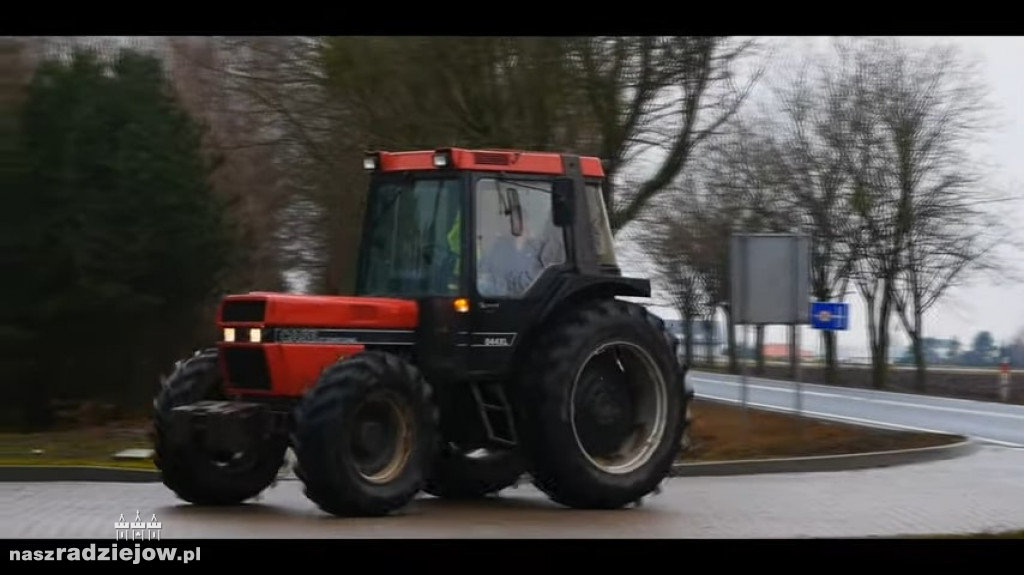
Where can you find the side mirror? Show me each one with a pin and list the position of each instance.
(562, 202)
(515, 212)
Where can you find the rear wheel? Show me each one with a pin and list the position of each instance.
(457, 474)
(364, 435)
(187, 467)
(602, 406)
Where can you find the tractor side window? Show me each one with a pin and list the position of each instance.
(411, 246)
(509, 263)
(600, 226)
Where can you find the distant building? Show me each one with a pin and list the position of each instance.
(937, 351)
(780, 351)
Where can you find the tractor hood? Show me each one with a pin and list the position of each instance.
(269, 309)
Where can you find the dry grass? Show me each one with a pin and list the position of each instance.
(720, 432)
(90, 446)
(723, 432)
(977, 385)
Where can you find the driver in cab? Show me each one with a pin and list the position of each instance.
(512, 262)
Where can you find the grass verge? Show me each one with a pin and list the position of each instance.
(720, 432)
(85, 446)
(1019, 534)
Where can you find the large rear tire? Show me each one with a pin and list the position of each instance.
(460, 475)
(602, 406)
(189, 469)
(365, 436)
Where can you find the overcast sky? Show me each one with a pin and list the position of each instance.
(965, 311)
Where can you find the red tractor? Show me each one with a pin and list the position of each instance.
(484, 342)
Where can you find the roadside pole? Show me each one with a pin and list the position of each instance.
(1004, 380)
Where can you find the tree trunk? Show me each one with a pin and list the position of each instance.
(880, 353)
(877, 370)
(32, 393)
(688, 338)
(709, 348)
(734, 366)
(921, 377)
(831, 369)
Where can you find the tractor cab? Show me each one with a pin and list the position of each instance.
(486, 242)
(477, 224)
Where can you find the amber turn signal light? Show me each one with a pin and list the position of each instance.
(461, 305)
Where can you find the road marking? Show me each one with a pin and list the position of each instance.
(868, 392)
(974, 370)
(858, 420)
(868, 399)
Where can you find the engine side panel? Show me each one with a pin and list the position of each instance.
(281, 343)
(277, 369)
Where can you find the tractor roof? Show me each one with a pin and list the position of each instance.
(514, 161)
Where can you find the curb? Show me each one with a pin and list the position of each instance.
(41, 473)
(828, 463)
(821, 463)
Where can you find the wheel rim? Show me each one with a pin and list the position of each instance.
(618, 407)
(381, 439)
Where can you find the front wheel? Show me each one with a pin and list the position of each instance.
(602, 406)
(188, 467)
(365, 435)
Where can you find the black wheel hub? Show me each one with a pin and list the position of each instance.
(604, 409)
(373, 437)
(374, 440)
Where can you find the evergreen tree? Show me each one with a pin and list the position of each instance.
(122, 240)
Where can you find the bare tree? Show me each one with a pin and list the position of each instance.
(335, 97)
(660, 96)
(932, 110)
(282, 86)
(740, 191)
(808, 121)
(916, 197)
(671, 237)
(247, 177)
(872, 238)
(712, 216)
(387, 93)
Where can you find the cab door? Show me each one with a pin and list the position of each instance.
(514, 242)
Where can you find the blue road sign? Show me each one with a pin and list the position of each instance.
(830, 316)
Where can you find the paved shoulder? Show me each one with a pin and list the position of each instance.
(994, 423)
(975, 493)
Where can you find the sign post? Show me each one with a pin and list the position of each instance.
(1004, 379)
(770, 279)
(830, 316)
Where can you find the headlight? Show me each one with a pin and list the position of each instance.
(250, 335)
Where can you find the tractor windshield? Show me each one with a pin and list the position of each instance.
(412, 238)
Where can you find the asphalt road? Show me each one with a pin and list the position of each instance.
(994, 423)
(975, 493)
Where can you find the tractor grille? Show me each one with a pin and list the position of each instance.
(244, 311)
(247, 368)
